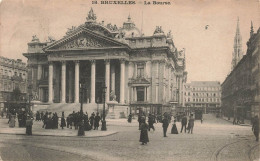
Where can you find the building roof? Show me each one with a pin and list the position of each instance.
(205, 83)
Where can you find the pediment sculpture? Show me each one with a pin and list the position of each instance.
(83, 42)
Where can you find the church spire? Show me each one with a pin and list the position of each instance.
(252, 30)
(238, 29)
(237, 53)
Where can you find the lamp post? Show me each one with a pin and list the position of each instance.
(81, 131)
(30, 95)
(104, 128)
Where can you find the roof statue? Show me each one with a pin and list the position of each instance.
(70, 30)
(158, 30)
(91, 15)
(35, 38)
(51, 39)
(169, 34)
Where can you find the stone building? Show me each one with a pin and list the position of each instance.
(204, 95)
(143, 72)
(13, 74)
(240, 90)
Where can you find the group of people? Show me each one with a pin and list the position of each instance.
(144, 127)
(50, 120)
(89, 123)
(190, 126)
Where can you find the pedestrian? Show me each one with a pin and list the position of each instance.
(183, 123)
(96, 123)
(151, 122)
(174, 128)
(143, 132)
(29, 123)
(92, 117)
(255, 127)
(12, 121)
(238, 119)
(234, 120)
(165, 124)
(129, 118)
(63, 123)
(139, 120)
(191, 124)
(87, 126)
(44, 119)
(48, 121)
(201, 119)
(38, 116)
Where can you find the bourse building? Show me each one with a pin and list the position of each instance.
(143, 72)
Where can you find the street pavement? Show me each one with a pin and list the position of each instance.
(213, 140)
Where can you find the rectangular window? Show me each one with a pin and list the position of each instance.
(140, 70)
(140, 93)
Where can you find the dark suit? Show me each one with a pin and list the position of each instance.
(184, 123)
(165, 126)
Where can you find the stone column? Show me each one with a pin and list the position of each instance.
(93, 81)
(107, 62)
(148, 93)
(113, 77)
(131, 70)
(148, 69)
(135, 94)
(169, 82)
(70, 84)
(63, 82)
(145, 94)
(76, 100)
(39, 76)
(50, 82)
(122, 81)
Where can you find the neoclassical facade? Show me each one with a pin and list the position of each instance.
(136, 69)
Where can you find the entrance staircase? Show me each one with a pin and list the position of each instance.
(118, 111)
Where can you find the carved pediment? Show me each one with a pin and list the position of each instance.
(84, 42)
(84, 39)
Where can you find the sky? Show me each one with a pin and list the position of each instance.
(208, 52)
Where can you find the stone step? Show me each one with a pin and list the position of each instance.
(119, 111)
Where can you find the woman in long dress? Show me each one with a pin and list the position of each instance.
(144, 132)
(174, 128)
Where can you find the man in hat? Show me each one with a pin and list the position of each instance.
(165, 124)
(191, 124)
(151, 121)
(96, 123)
(91, 118)
(143, 133)
(183, 123)
(29, 123)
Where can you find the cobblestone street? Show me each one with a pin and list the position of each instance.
(215, 139)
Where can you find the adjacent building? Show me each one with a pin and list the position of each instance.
(204, 95)
(13, 74)
(240, 90)
(144, 72)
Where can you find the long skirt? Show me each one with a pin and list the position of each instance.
(174, 129)
(144, 136)
(29, 130)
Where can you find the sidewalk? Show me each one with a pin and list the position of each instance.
(37, 130)
(246, 122)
